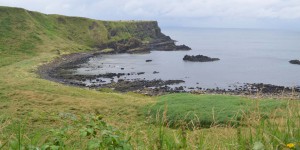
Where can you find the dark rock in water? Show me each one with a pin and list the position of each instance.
(160, 85)
(148, 60)
(111, 75)
(297, 62)
(183, 47)
(121, 80)
(139, 73)
(179, 88)
(155, 72)
(199, 58)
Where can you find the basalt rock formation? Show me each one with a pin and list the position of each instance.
(149, 38)
(296, 62)
(199, 58)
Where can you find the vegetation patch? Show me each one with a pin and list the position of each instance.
(205, 110)
(91, 131)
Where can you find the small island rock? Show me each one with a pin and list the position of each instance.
(297, 62)
(199, 58)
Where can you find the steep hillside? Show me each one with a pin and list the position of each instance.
(25, 33)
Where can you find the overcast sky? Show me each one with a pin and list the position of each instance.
(194, 13)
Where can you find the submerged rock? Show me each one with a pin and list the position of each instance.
(199, 58)
(297, 62)
(139, 73)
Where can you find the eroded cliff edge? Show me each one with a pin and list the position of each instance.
(142, 36)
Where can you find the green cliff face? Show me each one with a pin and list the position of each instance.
(24, 33)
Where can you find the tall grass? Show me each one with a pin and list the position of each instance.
(278, 131)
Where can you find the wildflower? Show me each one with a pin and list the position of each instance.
(290, 145)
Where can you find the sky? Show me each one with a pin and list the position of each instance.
(270, 14)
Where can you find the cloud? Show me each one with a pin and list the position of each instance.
(224, 10)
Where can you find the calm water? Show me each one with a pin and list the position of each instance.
(247, 56)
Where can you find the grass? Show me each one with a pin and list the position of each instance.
(24, 34)
(36, 113)
(206, 110)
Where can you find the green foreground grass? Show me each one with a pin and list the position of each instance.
(40, 114)
(207, 110)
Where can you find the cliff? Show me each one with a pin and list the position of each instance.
(26, 33)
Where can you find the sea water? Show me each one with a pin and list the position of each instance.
(246, 56)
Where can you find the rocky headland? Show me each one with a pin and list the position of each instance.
(134, 45)
(145, 36)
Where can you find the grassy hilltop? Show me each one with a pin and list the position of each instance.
(40, 114)
(25, 33)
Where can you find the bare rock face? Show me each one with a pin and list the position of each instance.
(145, 36)
(183, 47)
(199, 58)
(296, 62)
(165, 43)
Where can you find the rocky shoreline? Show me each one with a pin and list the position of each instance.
(51, 71)
(59, 71)
(54, 71)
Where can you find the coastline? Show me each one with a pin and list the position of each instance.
(47, 71)
(51, 71)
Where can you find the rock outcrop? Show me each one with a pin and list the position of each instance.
(296, 62)
(145, 36)
(199, 58)
(135, 45)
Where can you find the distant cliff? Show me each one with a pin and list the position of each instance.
(25, 33)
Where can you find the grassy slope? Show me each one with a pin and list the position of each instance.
(24, 34)
(29, 39)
